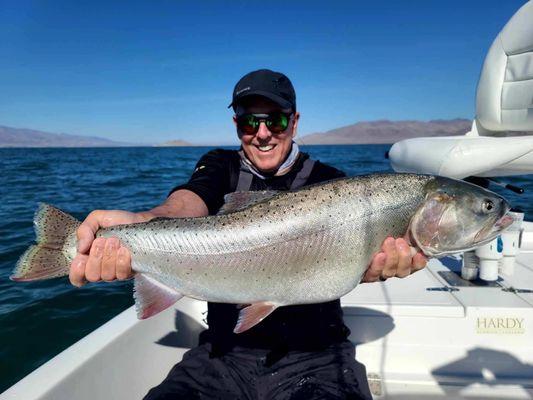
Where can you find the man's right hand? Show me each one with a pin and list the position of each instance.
(102, 258)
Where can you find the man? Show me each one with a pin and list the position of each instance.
(299, 351)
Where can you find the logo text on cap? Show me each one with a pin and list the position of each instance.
(242, 90)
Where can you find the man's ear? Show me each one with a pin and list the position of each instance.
(235, 120)
(295, 123)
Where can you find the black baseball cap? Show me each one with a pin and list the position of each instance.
(273, 85)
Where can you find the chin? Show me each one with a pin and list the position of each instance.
(267, 163)
(266, 166)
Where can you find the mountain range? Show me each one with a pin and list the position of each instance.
(368, 132)
(18, 137)
(385, 131)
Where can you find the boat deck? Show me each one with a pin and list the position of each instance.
(433, 334)
(422, 337)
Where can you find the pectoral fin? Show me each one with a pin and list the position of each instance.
(152, 297)
(252, 315)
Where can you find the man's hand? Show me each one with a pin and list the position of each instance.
(102, 258)
(105, 259)
(396, 259)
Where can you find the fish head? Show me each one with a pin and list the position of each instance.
(457, 216)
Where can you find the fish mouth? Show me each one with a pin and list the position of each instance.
(504, 222)
(486, 234)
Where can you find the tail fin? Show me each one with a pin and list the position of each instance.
(55, 248)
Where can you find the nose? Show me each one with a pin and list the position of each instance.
(263, 133)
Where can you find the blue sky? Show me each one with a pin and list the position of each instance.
(161, 70)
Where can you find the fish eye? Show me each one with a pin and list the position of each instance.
(487, 206)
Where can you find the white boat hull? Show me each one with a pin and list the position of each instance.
(415, 343)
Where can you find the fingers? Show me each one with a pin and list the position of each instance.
(77, 270)
(404, 258)
(123, 264)
(93, 268)
(392, 258)
(101, 258)
(419, 262)
(397, 259)
(109, 259)
(373, 273)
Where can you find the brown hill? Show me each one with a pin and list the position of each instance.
(18, 137)
(384, 131)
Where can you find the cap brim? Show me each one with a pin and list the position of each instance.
(285, 104)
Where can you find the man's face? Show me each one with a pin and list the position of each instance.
(267, 150)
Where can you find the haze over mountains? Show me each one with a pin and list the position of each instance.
(369, 132)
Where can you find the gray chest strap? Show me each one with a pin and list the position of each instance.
(245, 177)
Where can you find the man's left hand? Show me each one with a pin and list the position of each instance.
(396, 259)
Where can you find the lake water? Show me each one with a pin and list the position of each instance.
(40, 319)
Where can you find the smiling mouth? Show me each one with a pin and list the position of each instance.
(265, 148)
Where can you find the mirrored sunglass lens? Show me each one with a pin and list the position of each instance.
(248, 124)
(278, 122)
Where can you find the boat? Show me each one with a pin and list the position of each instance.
(432, 335)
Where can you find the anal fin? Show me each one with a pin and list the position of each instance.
(151, 296)
(253, 314)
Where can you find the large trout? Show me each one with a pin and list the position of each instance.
(271, 249)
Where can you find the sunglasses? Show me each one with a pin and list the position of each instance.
(276, 122)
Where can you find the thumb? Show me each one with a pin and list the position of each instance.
(85, 239)
(86, 233)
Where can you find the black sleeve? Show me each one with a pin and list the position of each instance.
(210, 179)
(324, 172)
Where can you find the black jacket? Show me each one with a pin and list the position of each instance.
(306, 326)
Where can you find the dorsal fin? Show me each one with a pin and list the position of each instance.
(238, 201)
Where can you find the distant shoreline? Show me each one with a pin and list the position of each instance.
(178, 147)
(365, 132)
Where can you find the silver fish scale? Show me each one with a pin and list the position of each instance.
(306, 246)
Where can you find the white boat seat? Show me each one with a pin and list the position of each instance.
(504, 100)
(504, 107)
